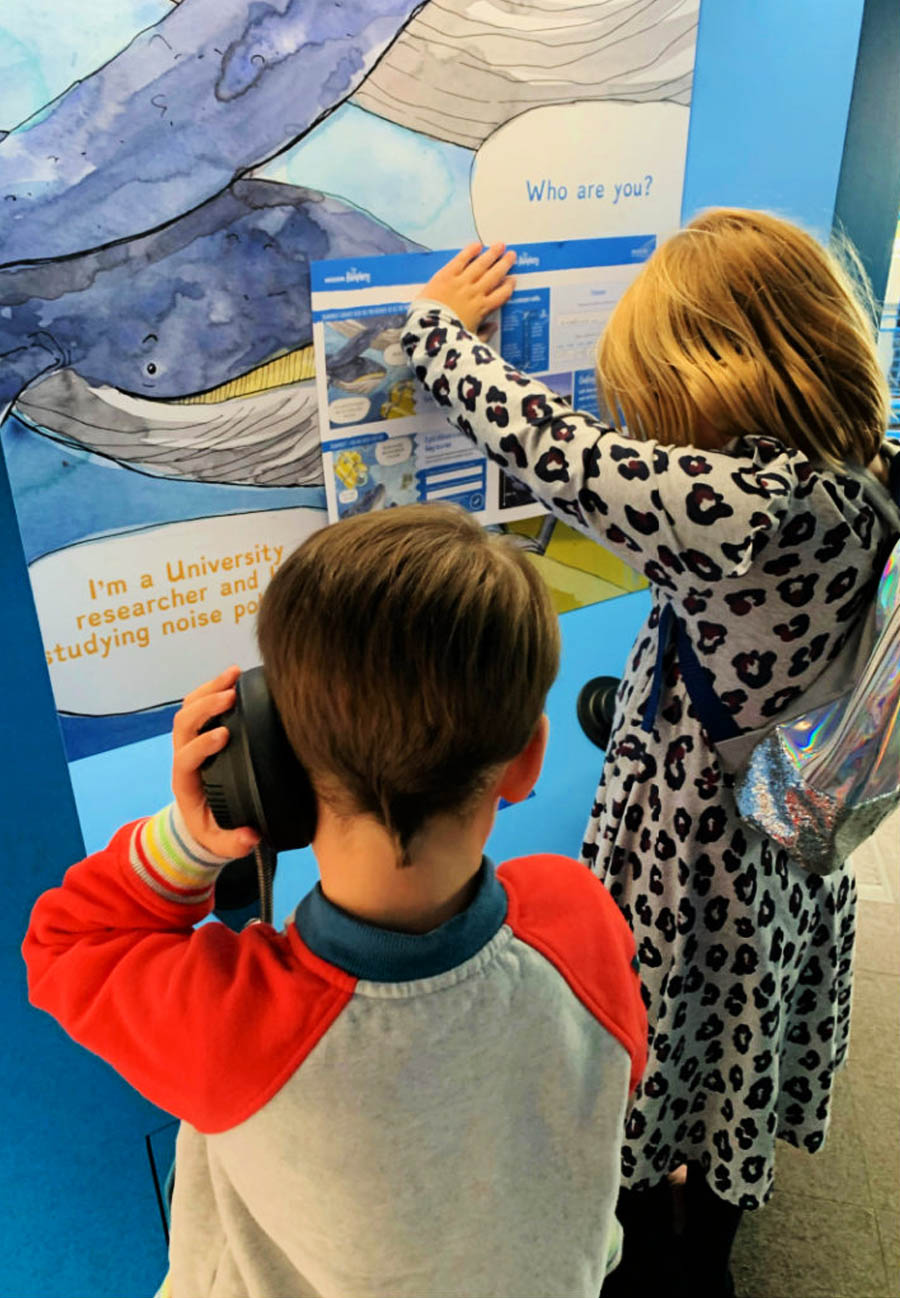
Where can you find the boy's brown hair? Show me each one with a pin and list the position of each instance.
(744, 323)
(409, 654)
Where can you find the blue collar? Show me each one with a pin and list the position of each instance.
(383, 955)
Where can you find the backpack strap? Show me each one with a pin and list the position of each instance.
(715, 718)
(666, 615)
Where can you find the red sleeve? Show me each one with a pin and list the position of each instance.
(562, 910)
(206, 1023)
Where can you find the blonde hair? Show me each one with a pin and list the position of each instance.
(409, 653)
(744, 323)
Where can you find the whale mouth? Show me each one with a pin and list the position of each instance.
(259, 429)
(291, 367)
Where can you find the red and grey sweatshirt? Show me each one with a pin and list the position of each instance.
(365, 1113)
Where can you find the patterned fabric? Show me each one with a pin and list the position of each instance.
(746, 958)
(167, 858)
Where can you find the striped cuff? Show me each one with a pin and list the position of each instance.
(166, 856)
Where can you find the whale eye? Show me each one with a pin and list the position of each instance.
(151, 368)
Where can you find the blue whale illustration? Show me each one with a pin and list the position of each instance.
(213, 89)
(185, 308)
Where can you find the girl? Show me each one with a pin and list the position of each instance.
(745, 373)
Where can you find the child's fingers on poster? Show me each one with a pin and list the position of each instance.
(453, 272)
(446, 283)
(465, 258)
(495, 272)
(472, 253)
(500, 295)
(465, 268)
(491, 265)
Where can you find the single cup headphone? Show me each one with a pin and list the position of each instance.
(257, 781)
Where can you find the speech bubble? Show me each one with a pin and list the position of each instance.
(348, 410)
(582, 171)
(393, 451)
(137, 620)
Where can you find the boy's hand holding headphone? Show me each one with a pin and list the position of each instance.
(474, 283)
(191, 749)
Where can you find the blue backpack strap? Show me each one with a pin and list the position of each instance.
(666, 617)
(715, 718)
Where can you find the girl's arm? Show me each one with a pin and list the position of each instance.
(675, 513)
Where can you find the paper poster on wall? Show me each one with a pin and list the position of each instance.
(170, 170)
(385, 441)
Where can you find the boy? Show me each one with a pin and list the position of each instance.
(417, 1089)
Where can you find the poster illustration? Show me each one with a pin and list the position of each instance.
(169, 173)
(384, 440)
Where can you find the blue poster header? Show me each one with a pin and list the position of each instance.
(418, 267)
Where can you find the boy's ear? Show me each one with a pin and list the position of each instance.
(522, 772)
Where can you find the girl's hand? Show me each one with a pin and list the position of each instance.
(474, 283)
(191, 750)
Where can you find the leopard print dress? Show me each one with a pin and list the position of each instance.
(746, 958)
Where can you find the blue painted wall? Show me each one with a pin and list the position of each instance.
(772, 89)
(868, 195)
(40, 825)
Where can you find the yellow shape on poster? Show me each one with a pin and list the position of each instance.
(578, 571)
(570, 588)
(578, 551)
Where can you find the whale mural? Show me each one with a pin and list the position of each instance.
(217, 293)
(211, 90)
(186, 308)
(158, 217)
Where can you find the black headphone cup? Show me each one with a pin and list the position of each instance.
(281, 786)
(256, 779)
(228, 779)
(219, 804)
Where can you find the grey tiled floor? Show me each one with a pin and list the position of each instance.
(832, 1227)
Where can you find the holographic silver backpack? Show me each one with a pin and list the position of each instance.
(819, 782)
